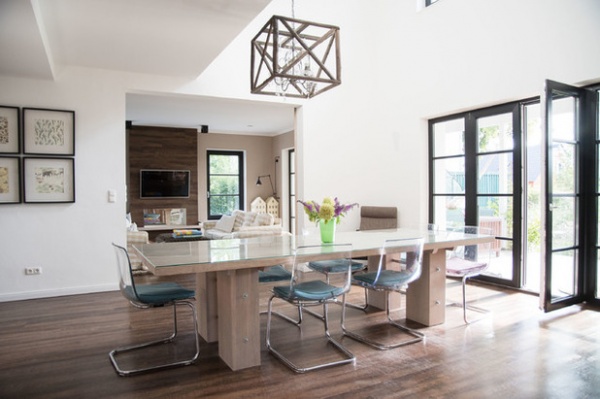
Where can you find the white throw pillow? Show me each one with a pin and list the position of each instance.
(263, 219)
(249, 218)
(225, 224)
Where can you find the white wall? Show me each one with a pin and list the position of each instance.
(364, 141)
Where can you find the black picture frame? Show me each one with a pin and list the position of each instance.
(10, 130)
(10, 180)
(48, 131)
(48, 180)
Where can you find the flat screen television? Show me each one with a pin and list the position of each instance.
(164, 183)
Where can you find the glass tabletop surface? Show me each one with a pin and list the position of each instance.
(263, 248)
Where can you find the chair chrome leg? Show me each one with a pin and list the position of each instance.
(416, 335)
(350, 358)
(122, 372)
(466, 307)
(281, 315)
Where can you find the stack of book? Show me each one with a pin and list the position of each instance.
(186, 233)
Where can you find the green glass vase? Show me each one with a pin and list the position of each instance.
(327, 231)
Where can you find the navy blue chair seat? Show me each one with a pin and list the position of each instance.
(274, 274)
(387, 279)
(160, 294)
(335, 266)
(308, 291)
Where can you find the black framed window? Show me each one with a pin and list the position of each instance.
(225, 182)
(537, 188)
(475, 180)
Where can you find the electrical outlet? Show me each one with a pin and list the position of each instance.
(32, 271)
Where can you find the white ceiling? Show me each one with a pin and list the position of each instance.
(220, 115)
(140, 36)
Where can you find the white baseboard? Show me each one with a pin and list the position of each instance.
(21, 296)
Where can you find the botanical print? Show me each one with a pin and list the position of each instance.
(50, 180)
(50, 132)
(3, 130)
(4, 180)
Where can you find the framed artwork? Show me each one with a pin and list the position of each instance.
(49, 180)
(10, 180)
(47, 131)
(9, 130)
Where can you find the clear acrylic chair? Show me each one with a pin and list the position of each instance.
(146, 296)
(468, 261)
(371, 218)
(391, 276)
(275, 274)
(308, 288)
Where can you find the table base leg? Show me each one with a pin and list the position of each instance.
(239, 320)
(206, 304)
(426, 297)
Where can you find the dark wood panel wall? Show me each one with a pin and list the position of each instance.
(161, 148)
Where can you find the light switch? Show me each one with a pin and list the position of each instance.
(112, 196)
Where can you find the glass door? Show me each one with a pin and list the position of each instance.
(475, 160)
(532, 196)
(498, 182)
(565, 220)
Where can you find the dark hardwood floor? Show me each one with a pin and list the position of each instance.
(58, 348)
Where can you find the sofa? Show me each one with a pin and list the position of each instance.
(242, 224)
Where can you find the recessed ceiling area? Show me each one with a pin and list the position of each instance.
(221, 115)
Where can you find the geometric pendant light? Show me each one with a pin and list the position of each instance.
(295, 58)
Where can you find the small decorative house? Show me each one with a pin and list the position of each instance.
(258, 205)
(273, 207)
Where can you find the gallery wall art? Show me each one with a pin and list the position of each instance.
(47, 173)
(10, 180)
(49, 179)
(47, 131)
(9, 130)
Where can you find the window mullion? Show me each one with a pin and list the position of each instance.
(470, 170)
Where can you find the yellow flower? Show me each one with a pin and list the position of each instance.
(327, 211)
(328, 200)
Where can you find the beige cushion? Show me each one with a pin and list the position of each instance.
(264, 219)
(225, 224)
(240, 217)
(248, 218)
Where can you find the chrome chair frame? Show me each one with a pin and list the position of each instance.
(295, 297)
(130, 291)
(382, 286)
(467, 275)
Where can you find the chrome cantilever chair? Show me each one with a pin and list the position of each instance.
(394, 278)
(371, 218)
(150, 296)
(307, 288)
(468, 261)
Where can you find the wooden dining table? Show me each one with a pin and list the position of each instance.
(227, 289)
